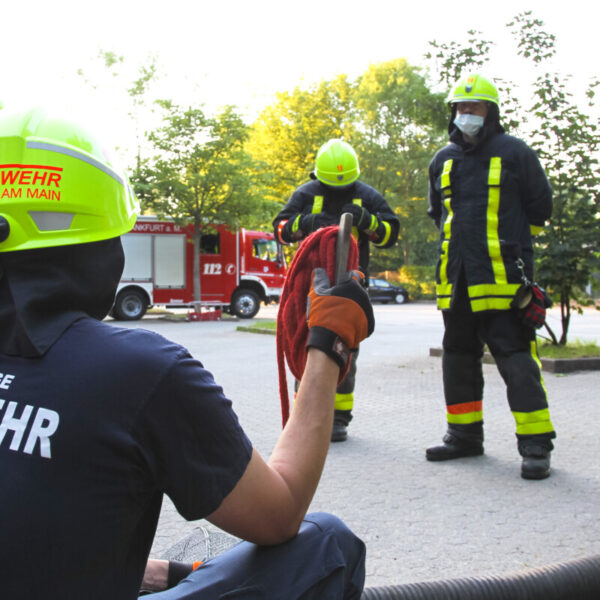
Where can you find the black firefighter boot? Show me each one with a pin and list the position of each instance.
(536, 457)
(459, 441)
(341, 420)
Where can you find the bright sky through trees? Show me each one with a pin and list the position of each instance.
(242, 53)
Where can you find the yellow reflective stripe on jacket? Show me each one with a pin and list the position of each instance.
(533, 423)
(386, 235)
(317, 204)
(296, 223)
(492, 296)
(443, 292)
(535, 229)
(358, 202)
(442, 301)
(344, 401)
(493, 289)
(492, 220)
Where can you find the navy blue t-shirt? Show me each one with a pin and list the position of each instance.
(91, 436)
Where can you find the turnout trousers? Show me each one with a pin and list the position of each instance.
(514, 349)
(325, 561)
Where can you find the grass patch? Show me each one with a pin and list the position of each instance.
(265, 326)
(576, 349)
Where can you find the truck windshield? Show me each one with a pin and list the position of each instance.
(266, 250)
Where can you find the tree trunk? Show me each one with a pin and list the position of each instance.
(565, 316)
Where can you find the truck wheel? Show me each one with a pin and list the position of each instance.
(130, 305)
(245, 304)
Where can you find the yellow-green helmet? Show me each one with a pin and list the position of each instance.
(57, 185)
(336, 163)
(474, 87)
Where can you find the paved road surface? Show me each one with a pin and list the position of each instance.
(423, 521)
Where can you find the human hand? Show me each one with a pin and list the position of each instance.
(361, 217)
(339, 316)
(313, 221)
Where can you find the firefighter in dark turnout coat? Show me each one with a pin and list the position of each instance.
(488, 195)
(333, 190)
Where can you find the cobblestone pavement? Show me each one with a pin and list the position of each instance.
(422, 521)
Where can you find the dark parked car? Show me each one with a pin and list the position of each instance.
(381, 290)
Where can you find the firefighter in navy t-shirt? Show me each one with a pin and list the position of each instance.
(98, 422)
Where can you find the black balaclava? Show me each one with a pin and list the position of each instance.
(43, 291)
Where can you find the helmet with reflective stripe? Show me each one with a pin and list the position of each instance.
(57, 185)
(474, 87)
(336, 163)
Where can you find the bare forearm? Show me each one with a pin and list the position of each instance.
(156, 575)
(299, 455)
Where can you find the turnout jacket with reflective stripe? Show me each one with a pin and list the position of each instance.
(314, 197)
(488, 200)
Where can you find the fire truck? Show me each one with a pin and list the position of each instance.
(238, 269)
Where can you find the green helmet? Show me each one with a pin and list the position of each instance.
(57, 186)
(474, 87)
(336, 163)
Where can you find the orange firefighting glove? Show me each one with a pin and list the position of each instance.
(339, 317)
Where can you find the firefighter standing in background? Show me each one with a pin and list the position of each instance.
(334, 189)
(488, 195)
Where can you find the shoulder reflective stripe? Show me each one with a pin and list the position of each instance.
(533, 423)
(535, 229)
(446, 170)
(74, 154)
(357, 201)
(317, 205)
(386, 235)
(492, 220)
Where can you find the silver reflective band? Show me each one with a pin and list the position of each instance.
(78, 155)
(51, 221)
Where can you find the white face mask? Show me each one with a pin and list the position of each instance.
(469, 124)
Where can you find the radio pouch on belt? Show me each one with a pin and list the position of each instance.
(530, 301)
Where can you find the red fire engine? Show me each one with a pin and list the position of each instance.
(238, 269)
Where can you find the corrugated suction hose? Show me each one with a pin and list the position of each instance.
(572, 580)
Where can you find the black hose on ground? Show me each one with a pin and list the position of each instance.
(572, 580)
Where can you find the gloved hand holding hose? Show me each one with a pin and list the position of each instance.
(339, 317)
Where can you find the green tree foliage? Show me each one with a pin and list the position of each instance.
(201, 173)
(393, 121)
(399, 124)
(568, 144)
(287, 134)
(566, 140)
